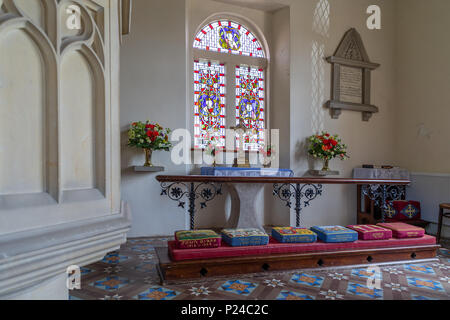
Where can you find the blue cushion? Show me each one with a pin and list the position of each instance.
(245, 237)
(335, 234)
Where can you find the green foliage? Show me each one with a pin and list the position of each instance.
(149, 136)
(327, 147)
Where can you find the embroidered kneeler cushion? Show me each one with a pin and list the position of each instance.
(371, 232)
(335, 234)
(245, 237)
(293, 235)
(402, 230)
(197, 239)
(402, 210)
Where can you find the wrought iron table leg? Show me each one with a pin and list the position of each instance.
(191, 209)
(288, 192)
(298, 205)
(179, 191)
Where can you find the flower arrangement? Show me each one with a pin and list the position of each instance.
(211, 148)
(149, 137)
(267, 152)
(327, 147)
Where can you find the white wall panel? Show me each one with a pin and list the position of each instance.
(22, 115)
(77, 123)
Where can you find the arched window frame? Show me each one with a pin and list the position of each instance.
(230, 61)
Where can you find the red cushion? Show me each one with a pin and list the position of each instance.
(402, 210)
(403, 230)
(371, 232)
(274, 247)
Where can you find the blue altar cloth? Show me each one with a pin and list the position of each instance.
(245, 172)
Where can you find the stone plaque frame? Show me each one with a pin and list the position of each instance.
(351, 54)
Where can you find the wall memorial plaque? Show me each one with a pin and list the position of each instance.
(351, 85)
(351, 77)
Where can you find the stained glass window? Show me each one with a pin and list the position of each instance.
(209, 103)
(229, 37)
(250, 104)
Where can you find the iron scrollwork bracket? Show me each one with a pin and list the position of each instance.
(301, 194)
(381, 193)
(191, 192)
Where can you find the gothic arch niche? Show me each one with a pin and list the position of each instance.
(82, 122)
(28, 127)
(22, 127)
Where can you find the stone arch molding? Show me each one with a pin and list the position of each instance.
(53, 45)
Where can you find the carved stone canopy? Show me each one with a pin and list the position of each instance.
(351, 77)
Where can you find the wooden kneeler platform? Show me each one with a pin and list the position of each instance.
(202, 269)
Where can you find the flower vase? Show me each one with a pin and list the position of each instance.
(326, 165)
(148, 157)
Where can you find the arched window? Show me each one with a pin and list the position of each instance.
(229, 84)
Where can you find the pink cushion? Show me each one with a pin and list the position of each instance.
(371, 232)
(275, 247)
(402, 230)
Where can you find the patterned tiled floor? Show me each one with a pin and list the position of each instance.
(131, 274)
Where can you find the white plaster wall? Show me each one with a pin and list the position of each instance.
(369, 142)
(150, 55)
(423, 74)
(423, 102)
(153, 87)
(276, 212)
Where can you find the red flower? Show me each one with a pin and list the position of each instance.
(334, 143)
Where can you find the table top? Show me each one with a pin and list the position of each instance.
(269, 179)
(245, 172)
(375, 173)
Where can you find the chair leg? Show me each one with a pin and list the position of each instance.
(441, 215)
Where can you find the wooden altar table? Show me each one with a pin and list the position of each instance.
(297, 191)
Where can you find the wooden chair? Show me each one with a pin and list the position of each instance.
(442, 207)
